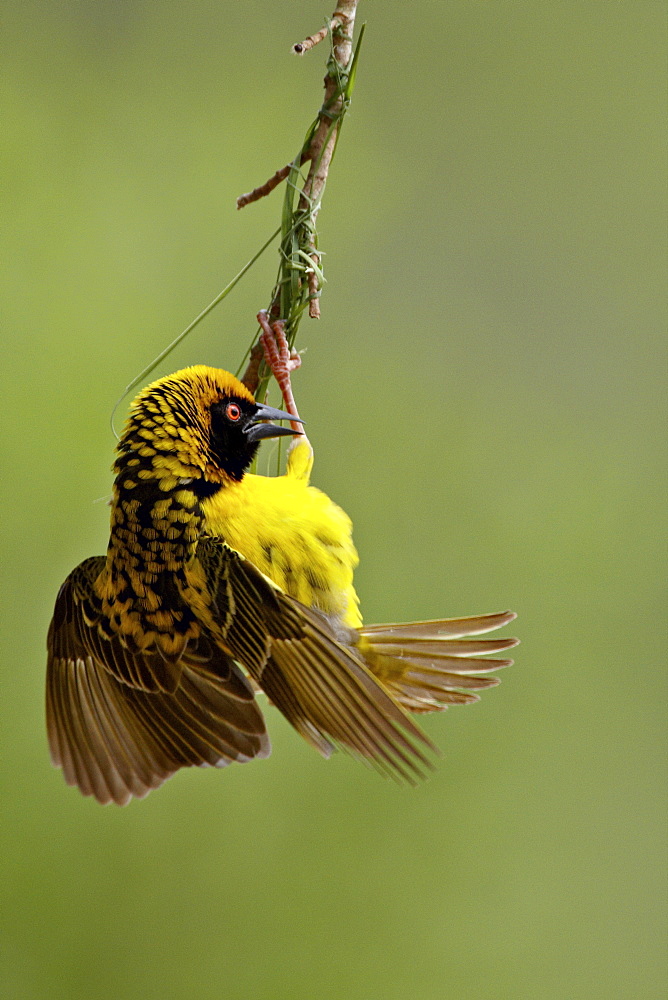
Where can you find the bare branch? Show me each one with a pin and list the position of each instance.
(300, 278)
(324, 140)
(264, 189)
(251, 377)
(301, 48)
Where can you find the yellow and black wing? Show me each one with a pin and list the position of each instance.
(115, 732)
(309, 667)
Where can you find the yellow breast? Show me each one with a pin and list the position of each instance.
(291, 532)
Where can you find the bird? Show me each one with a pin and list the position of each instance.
(218, 584)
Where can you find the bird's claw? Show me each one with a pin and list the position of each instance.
(280, 358)
(277, 352)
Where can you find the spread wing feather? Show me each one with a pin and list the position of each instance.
(121, 721)
(115, 740)
(443, 628)
(78, 605)
(322, 685)
(426, 664)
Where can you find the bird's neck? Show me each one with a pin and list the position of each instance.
(156, 521)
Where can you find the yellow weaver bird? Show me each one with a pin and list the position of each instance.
(217, 582)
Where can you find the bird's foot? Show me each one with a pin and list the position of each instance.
(281, 360)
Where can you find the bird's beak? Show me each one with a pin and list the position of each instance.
(256, 431)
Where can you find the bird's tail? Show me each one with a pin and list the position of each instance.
(425, 665)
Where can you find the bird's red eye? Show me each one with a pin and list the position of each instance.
(232, 411)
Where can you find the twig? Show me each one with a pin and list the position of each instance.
(251, 377)
(323, 142)
(341, 26)
(264, 189)
(300, 48)
(300, 277)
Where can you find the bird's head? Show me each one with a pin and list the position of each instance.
(200, 424)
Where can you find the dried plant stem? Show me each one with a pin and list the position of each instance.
(264, 189)
(323, 142)
(300, 48)
(300, 276)
(341, 25)
(251, 377)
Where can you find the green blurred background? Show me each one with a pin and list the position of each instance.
(483, 393)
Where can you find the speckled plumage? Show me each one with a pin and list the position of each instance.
(210, 569)
(157, 518)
